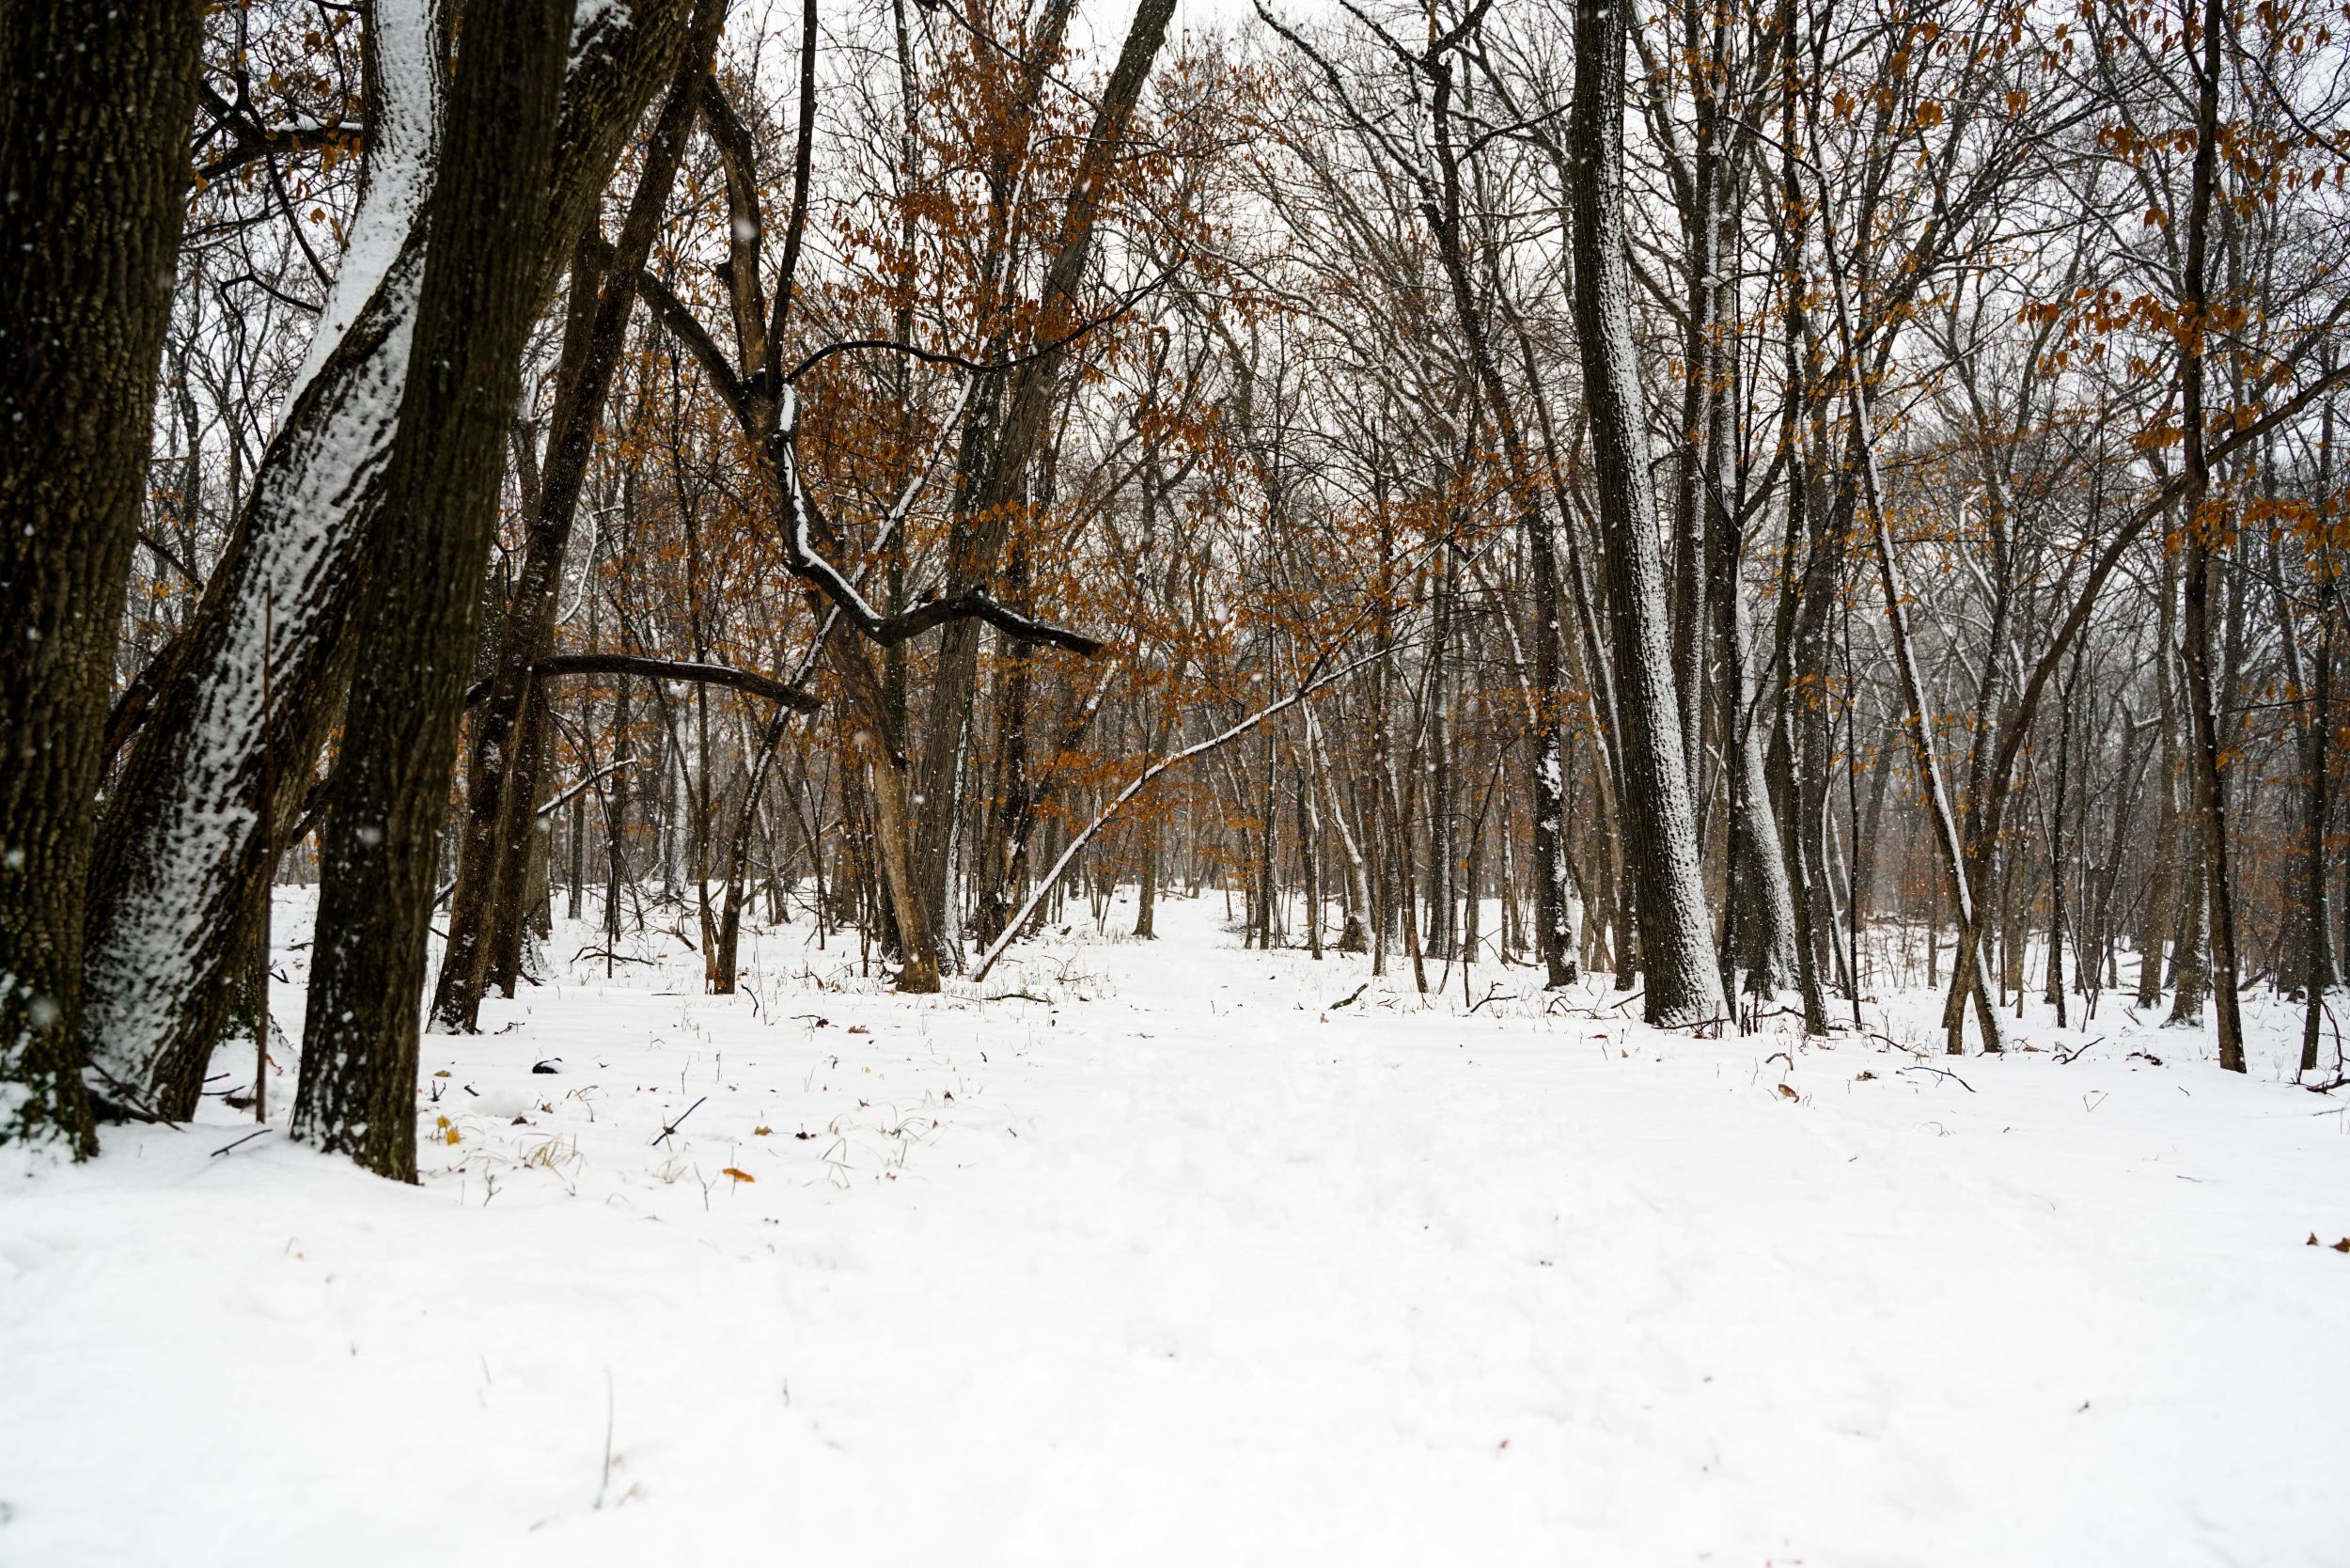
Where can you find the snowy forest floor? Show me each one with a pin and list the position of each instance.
(1183, 1264)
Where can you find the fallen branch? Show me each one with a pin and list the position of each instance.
(2066, 1059)
(608, 955)
(1142, 781)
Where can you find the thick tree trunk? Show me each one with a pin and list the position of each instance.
(1658, 816)
(358, 1092)
(94, 116)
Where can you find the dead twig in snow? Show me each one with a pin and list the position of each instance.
(673, 1126)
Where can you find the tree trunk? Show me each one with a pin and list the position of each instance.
(2205, 531)
(1660, 825)
(358, 1092)
(1354, 935)
(93, 161)
(2155, 926)
(1764, 906)
(522, 858)
(2317, 973)
(2318, 957)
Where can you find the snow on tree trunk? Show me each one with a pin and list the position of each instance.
(184, 837)
(1657, 813)
(357, 1089)
(250, 688)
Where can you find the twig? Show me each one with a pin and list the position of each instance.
(679, 1122)
(247, 1138)
(1940, 1072)
(1350, 997)
(609, 955)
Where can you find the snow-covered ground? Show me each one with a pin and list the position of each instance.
(1185, 1263)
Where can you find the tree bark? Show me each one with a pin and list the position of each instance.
(2154, 926)
(93, 165)
(357, 1091)
(2206, 529)
(1659, 821)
